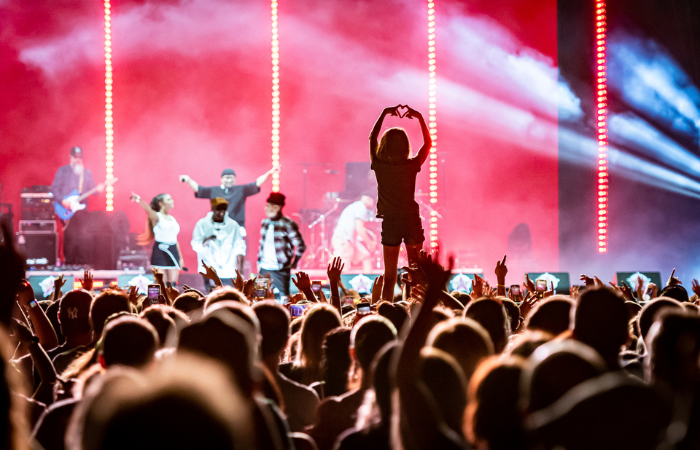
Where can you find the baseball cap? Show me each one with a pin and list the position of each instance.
(219, 203)
(74, 312)
(76, 152)
(228, 172)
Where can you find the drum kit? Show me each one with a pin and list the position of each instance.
(317, 226)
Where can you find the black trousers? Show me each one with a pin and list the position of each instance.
(280, 279)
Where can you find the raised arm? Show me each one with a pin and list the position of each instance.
(152, 215)
(374, 135)
(427, 141)
(193, 184)
(263, 178)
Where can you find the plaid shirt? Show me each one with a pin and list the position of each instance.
(289, 245)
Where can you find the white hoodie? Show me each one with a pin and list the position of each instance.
(220, 253)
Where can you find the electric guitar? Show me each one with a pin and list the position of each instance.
(74, 198)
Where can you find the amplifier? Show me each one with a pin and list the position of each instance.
(37, 226)
(37, 206)
(41, 249)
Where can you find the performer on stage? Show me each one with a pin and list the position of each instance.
(162, 228)
(281, 244)
(217, 240)
(234, 194)
(351, 240)
(69, 178)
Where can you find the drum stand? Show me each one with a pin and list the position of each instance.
(321, 255)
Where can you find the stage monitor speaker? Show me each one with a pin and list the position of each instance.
(647, 277)
(359, 177)
(461, 282)
(6, 217)
(40, 249)
(562, 283)
(43, 285)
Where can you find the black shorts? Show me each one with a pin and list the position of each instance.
(165, 256)
(408, 230)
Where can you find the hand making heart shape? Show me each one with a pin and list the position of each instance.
(402, 111)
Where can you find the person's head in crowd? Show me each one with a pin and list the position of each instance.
(691, 308)
(465, 340)
(157, 316)
(633, 308)
(228, 178)
(554, 368)
(649, 312)
(128, 341)
(238, 309)
(396, 314)
(611, 411)
(463, 297)
(106, 303)
(394, 146)
(491, 315)
(551, 315)
(189, 303)
(335, 362)
(274, 205)
(367, 337)
(513, 311)
(445, 381)
(223, 294)
(380, 395)
(600, 320)
(526, 343)
(319, 320)
(439, 315)
(492, 418)
(274, 329)
(228, 339)
(74, 315)
(219, 205)
(674, 350)
(184, 404)
(676, 292)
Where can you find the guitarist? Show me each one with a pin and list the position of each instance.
(73, 176)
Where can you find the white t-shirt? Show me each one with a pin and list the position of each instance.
(269, 255)
(345, 228)
(166, 230)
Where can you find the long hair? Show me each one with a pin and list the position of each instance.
(394, 146)
(148, 236)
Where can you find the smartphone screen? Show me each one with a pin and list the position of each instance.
(153, 292)
(541, 285)
(297, 310)
(261, 285)
(515, 289)
(363, 308)
(316, 286)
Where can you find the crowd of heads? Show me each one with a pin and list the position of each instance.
(600, 368)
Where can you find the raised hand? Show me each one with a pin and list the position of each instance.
(172, 292)
(501, 271)
(412, 113)
(377, 287)
(696, 287)
(550, 292)
(25, 294)
(477, 286)
(335, 269)
(135, 197)
(248, 288)
(436, 275)
(158, 276)
(87, 280)
(529, 284)
(573, 292)
(210, 274)
(302, 282)
(238, 281)
(527, 304)
(587, 280)
(673, 281)
(133, 295)
(58, 284)
(626, 290)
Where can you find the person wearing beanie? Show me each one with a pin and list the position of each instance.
(234, 194)
(281, 244)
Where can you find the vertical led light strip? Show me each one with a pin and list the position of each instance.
(602, 124)
(275, 98)
(109, 129)
(432, 124)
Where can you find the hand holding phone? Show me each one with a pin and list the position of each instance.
(316, 287)
(363, 308)
(153, 294)
(541, 287)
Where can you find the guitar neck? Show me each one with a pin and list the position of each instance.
(87, 194)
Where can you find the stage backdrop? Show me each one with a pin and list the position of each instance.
(192, 95)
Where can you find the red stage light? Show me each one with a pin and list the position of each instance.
(275, 52)
(109, 123)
